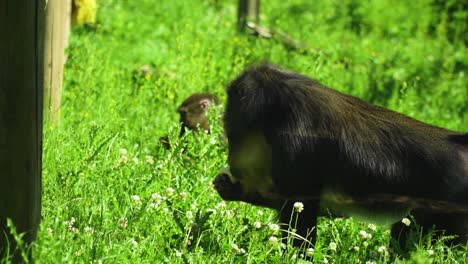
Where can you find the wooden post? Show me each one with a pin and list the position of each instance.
(248, 10)
(21, 80)
(57, 29)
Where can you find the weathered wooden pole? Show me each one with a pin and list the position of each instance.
(247, 11)
(57, 29)
(21, 82)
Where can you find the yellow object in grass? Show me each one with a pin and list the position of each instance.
(84, 12)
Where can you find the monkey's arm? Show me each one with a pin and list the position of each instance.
(233, 192)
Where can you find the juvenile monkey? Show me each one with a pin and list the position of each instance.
(193, 114)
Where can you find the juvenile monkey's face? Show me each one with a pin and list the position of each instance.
(250, 161)
(193, 113)
(193, 119)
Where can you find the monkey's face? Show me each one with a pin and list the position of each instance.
(250, 161)
(192, 118)
(193, 113)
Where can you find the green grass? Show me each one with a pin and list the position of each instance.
(409, 56)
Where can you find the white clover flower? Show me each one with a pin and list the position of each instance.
(123, 152)
(325, 260)
(298, 207)
(370, 262)
(136, 198)
(189, 214)
(169, 191)
(212, 141)
(123, 156)
(153, 206)
(134, 243)
(70, 224)
(310, 252)
(273, 240)
(382, 249)
(234, 247)
(149, 159)
(88, 230)
(356, 248)
(430, 252)
(220, 205)
(363, 234)
(50, 232)
(228, 214)
(332, 246)
(123, 222)
(257, 224)
(183, 196)
(178, 253)
(372, 227)
(406, 221)
(259, 212)
(124, 160)
(135, 160)
(156, 197)
(274, 228)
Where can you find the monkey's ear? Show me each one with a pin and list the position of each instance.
(205, 103)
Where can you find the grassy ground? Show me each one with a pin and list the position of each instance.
(112, 194)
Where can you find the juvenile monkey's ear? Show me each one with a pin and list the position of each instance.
(205, 103)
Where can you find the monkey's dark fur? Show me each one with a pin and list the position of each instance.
(323, 141)
(192, 114)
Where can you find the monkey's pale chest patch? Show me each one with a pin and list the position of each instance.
(253, 161)
(345, 205)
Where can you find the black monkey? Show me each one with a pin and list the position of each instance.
(192, 112)
(293, 139)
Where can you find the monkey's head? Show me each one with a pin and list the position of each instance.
(193, 111)
(250, 153)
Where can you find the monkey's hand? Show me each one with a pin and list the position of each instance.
(165, 142)
(228, 190)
